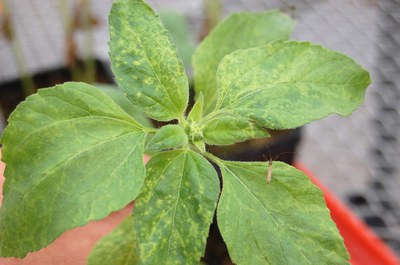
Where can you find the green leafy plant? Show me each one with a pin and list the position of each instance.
(73, 155)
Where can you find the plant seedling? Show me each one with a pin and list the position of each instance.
(73, 155)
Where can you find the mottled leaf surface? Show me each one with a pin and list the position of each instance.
(117, 248)
(173, 214)
(286, 84)
(167, 137)
(145, 63)
(283, 222)
(72, 156)
(225, 129)
(238, 31)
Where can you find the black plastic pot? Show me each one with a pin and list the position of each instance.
(12, 93)
(281, 146)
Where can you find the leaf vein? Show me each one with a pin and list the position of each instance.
(255, 198)
(152, 67)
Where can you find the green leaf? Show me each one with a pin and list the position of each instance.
(167, 137)
(200, 145)
(117, 248)
(238, 31)
(177, 26)
(225, 129)
(72, 156)
(118, 96)
(286, 84)
(196, 113)
(283, 222)
(195, 124)
(145, 63)
(173, 214)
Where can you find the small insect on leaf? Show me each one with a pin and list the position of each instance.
(270, 160)
(269, 173)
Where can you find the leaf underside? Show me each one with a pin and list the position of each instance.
(173, 213)
(72, 156)
(283, 222)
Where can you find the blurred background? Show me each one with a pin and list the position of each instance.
(46, 42)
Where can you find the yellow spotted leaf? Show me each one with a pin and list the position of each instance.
(173, 214)
(145, 62)
(282, 222)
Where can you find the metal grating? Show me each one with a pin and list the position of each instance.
(39, 32)
(382, 210)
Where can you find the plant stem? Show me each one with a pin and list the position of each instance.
(182, 121)
(213, 158)
(212, 11)
(28, 84)
(70, 45)
(88, 28)
(150, 130)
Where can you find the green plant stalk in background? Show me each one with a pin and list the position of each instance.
(28, 85)
(89, 63)
(71, 22)
(212, 12)
(69, 28)
(58, 176)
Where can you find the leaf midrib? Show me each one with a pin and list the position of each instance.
(255, 198)
(152, 67)
(175, 208)
(52, 170)
(89, 113)
(75, 119)
(108, 178)
(262, 59)
(268, 86)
